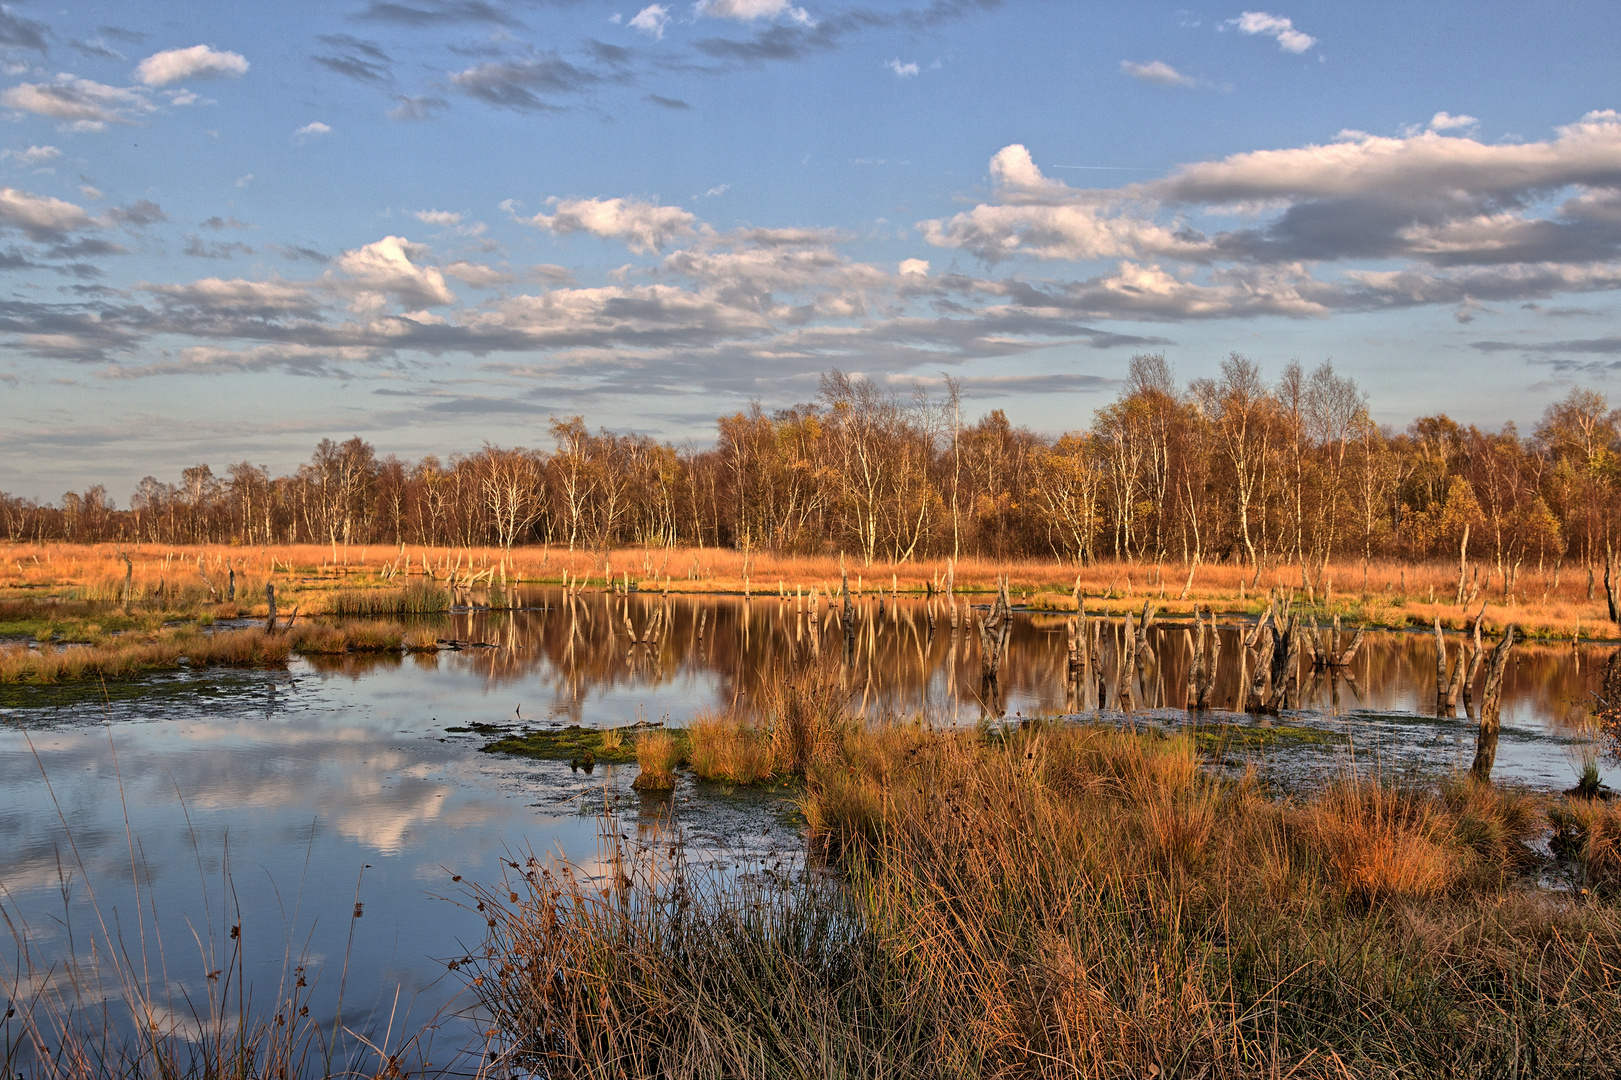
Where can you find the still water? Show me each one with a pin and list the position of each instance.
(153, 818)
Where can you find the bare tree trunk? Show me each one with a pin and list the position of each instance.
(1194, 639)
(1611, 584)
(1188, 585)
(1490, 710)
(1127, 666)
(1440, 668)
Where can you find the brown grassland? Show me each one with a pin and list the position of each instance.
(1075, 901)
(386, 580)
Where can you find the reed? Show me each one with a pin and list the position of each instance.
(728, 748)
(123, 658)
(1548, 602)
(1076, 902)
(658, 752)
(415, 599)
(128, 655)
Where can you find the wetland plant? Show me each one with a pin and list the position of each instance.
(657, 754)
(1080, 902)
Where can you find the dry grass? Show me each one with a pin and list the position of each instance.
(1076, 902)
(126, 655)
(726, 747)
(1590, 833)
(321, 579)
(418, 599)
(658, 752)
(123, 657)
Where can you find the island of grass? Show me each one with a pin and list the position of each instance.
(606, 746)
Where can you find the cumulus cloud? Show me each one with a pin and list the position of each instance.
(1276, 26)
(1157, 72)
(444, 218)
(478, 275)
(238, 297)
(902, 71)
(41, 217)
(197, 62)
(752, 10)
(644, 227)
(1444, 199)
(1361, 223)
(312, 130)
(652, 19)
(387, 270)
(33, 157)
(1445, 121)
(83, 104)
(1265, 232)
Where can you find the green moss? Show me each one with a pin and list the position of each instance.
(1222, 738)
(566, 744)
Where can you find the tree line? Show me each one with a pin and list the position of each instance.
(1232, 468)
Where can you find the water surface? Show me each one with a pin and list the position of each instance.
(273, 800)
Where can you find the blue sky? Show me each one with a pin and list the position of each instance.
(227, 231)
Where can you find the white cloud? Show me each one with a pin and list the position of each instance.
(1445, 121)
(1157, 72)
(915, 266)
(244, 180)
(478, 275)
(197, 62)
(386, 269)
(254, 299)
(1471, 219)
(312, 130)
(444, 218)
(84, 104)
(41, 216)
(902, 71)
(90, 192)
(751, 10)
(643, 226)
(33, 156)
(652, 19)
(1260, 22)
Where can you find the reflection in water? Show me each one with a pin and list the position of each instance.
(265, 798)
(904, 657)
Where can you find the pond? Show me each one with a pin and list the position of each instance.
(153, 817)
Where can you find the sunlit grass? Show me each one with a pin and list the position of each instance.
(384, 580)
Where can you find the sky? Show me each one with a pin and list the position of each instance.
(230, 230)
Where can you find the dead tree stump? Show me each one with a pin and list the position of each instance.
(1490, 710)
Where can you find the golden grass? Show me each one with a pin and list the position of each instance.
(126, 655)
(326, 579)
(1074, 902)
(726, 747)
(123, 658)
(657, 754)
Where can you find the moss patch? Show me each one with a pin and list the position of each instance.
(1222, 738)
(566, 744)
